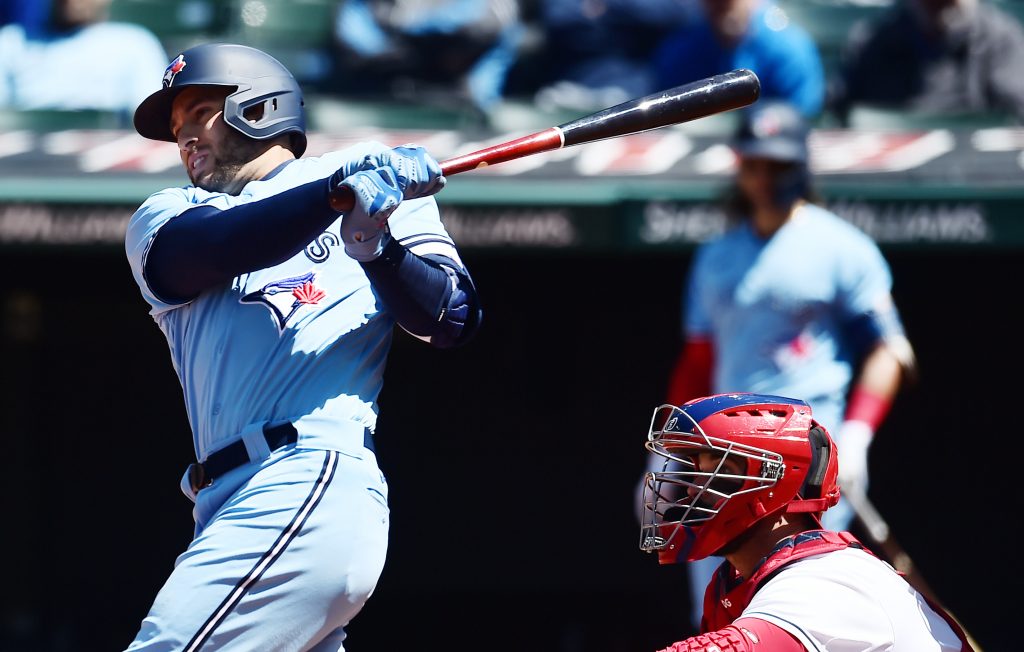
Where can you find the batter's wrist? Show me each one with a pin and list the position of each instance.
(370, 249)
(867, 407)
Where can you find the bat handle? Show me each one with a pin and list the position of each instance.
(542, 141)
(342, 199)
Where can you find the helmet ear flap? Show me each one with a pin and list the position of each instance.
(821, 453)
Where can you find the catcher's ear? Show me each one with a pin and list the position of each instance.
(821, 451)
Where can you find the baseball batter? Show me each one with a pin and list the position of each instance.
(279, 312)
(747, 477)
(793, 301)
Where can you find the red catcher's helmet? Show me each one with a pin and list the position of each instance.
(769, 457)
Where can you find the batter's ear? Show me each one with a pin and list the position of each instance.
(295, 143)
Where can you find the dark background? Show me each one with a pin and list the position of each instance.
(511, 461)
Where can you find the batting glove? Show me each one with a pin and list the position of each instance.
(418, 174)
(853, 441)
(364, 228)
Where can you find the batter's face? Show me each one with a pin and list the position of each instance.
(759, 179)
(213, 153)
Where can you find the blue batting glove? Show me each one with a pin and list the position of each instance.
(418, 174)
(364, 228)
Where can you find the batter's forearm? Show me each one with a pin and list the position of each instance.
(431, 298)
(880, 373)
(875, 388)
(205, 246)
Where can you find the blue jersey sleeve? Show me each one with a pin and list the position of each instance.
(862, 278)
(143, 226)
(696, 321)
(864, 293)
(416, 225)
(430, 294)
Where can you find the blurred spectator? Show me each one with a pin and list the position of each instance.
(78, 60)
(427, 48)
(724, 35)
(30, 14)
(935, 57)
(597, 53)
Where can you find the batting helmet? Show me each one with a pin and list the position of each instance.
(767, 457)
(256, 78)
(774, 130)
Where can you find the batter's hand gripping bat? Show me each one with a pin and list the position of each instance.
(699, 99)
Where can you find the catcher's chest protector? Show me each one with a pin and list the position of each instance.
(724, 600)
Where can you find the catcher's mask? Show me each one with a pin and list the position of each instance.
(729, 461)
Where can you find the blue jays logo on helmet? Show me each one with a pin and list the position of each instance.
(766, 124)
(285, 297)
(173, 69)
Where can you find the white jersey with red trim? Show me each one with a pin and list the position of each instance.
(860, 603)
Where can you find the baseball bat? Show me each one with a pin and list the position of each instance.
(699, 99)
(880, 532)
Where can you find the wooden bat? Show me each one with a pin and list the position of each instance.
(879, 531)
(699, 99)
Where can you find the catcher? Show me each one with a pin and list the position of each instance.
(747, 477)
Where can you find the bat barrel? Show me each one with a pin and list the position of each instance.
(699, 99)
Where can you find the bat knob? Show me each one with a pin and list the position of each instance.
(341, 198)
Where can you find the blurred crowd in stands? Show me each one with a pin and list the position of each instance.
(827, 57)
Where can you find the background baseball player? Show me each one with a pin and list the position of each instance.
(747, 476)
(793, 301)
(279, 313)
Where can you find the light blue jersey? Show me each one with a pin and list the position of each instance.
(779, 312)
(776, 308)
(289, 544)
(303, 341)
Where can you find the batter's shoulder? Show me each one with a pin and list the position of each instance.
(736, 234)
(170, 202)
(830, 228)
(723, 250)
(181, 195)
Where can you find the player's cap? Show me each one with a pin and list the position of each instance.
(256, 78)
(773, 130)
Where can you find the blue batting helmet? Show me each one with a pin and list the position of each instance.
(774, 130)
(256, 77)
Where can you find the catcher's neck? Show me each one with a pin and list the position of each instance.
(765, 536)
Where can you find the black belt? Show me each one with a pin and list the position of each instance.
(236, 454)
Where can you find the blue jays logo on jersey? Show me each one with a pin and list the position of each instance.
(285, 297)
(173, 69)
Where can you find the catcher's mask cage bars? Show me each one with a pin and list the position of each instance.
(668, 506)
